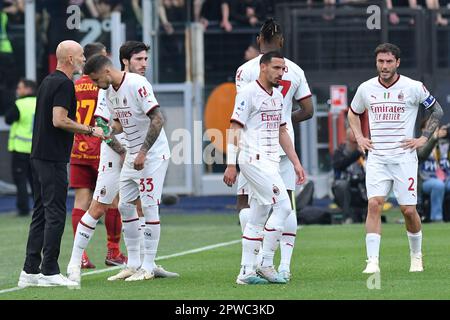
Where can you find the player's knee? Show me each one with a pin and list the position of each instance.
(290, 225)
(408, 211)
(151, 213)
(127, 210)
(374, 205)
(244, 216)
(97, 209)
(253, 231)
(281, 212)
(258, 213)
(282, 208)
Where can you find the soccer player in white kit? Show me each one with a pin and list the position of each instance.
(133, 55)
(130, 97)
(258, 125)
(392, 101)
(293, 86)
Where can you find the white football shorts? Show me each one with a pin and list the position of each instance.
(264, 181)
(107, 185)
(380, 178)
(287, 172)
(146, 184)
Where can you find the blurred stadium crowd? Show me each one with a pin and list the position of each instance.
(231, 24)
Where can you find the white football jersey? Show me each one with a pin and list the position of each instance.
(261, 115)
(103, 112)
(292, 86)
(130, 104)
(392, 115)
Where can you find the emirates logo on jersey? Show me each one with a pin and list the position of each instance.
(276, 190)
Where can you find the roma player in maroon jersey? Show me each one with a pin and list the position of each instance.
(84, 163)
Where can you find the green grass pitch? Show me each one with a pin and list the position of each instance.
(327, 263)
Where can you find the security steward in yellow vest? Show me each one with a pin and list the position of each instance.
(20, 116)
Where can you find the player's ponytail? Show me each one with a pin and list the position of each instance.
(270, 30)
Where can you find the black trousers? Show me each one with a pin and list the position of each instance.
(348, 199)
(49, 217)
(8, 80)
(21, 172)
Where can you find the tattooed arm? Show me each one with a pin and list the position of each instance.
(431, 125)
(156, 124)
(116, 146)
(112, 141)
(433, 120)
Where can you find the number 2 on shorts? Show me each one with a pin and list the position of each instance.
(411, 186)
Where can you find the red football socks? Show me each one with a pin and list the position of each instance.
(113, 223)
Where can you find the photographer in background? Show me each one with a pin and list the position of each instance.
(434, 170)
(349, 188)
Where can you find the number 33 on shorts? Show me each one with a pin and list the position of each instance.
(146, 185)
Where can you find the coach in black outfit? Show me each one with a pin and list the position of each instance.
(53, 130)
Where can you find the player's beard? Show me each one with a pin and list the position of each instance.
(390, 75)
(276, 84)
(137, 71)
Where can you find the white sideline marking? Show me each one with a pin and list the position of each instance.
(10, 290)
(179, 254)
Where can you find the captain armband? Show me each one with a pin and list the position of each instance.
(232, 151)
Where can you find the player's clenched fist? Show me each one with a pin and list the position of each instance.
(139, 161)
(229, 176)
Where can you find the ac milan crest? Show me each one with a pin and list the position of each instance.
(400, 96)
(276, 190)
(125, 101)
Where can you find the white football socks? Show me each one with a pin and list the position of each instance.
(131, 233)
(373, 245)
(251, 243)
(151, 240)
(287, 241)
(270, 245)
(141, 241)
(152, 234)
(415, 242)
(85, 231)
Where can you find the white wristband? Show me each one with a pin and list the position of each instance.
(232, 151)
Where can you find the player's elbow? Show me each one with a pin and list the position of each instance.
(309, 113)
(159, 120)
